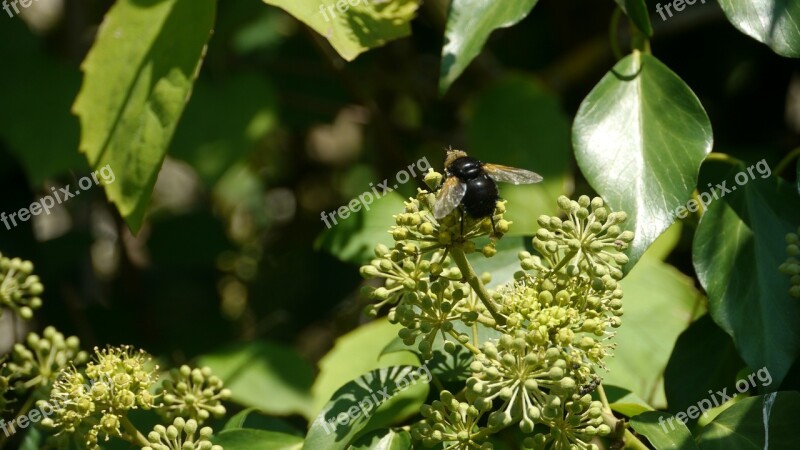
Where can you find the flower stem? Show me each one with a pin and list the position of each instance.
(460, 258)
(630, 440)
(135, 437)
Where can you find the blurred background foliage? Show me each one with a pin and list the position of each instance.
(232, 261)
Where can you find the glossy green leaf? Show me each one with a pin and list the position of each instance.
(374, 400)
(773, 22)
(636, 10)
(36, 123)
(659, 301)
(384, 440)
(270, 377)
(340, 366)
(469, 24)
(246, 439)
(353, 238)
(353, 26)
(663, 433)
(704, 358)
(252, 419)
(768, 421)
(518, 123)
(223, 123)
(737, 249)
(639, 138)
(138, 77)
(624, 401)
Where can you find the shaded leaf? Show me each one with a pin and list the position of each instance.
(138, 77)
(768, 421)
(355, 27)
(250, 418)
(636, 10)
(773, 22)
(518, 123)
(270, 377)
(737, 249)
(640, 137)
(469, 24)
(704, 358)
(663, 433)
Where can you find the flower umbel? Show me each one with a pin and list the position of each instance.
(45, 356)
(181, 435)
(193, 393)
(792, 265)
(19, 288)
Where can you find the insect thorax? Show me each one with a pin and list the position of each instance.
(465, 168)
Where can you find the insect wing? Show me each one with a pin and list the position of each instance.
(449, 197)
(505, 174)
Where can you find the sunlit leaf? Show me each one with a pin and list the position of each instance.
(624, 401)
(639, 138)
(245, 439)
(469, 24)
(773, 22)
(138, 77)
(374, 400)
(384, 440)
(353, 26)
(267, 376)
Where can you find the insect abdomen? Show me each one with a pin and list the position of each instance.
(481, 197)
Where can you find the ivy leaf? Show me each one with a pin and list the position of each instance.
(245, 439)
(625, 402)
(737, 249)
(518, 123)
(768, 421)
(353, 238)
(270, 377)
(353, 27)
(636, 10)
(704, 358)
(640, 137)
(251, 418)
(384, 440)
(138, 77)
(773, 22)
(469, 24)
(373, 400)
(662, 433)
(339, 367)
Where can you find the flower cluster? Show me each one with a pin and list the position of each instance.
(555, 319)
(181, 435)
(792, 265)
(193, 393)
(20, 290)
(39, 363)
(117, 380)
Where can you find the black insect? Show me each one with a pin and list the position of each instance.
(473, 185)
